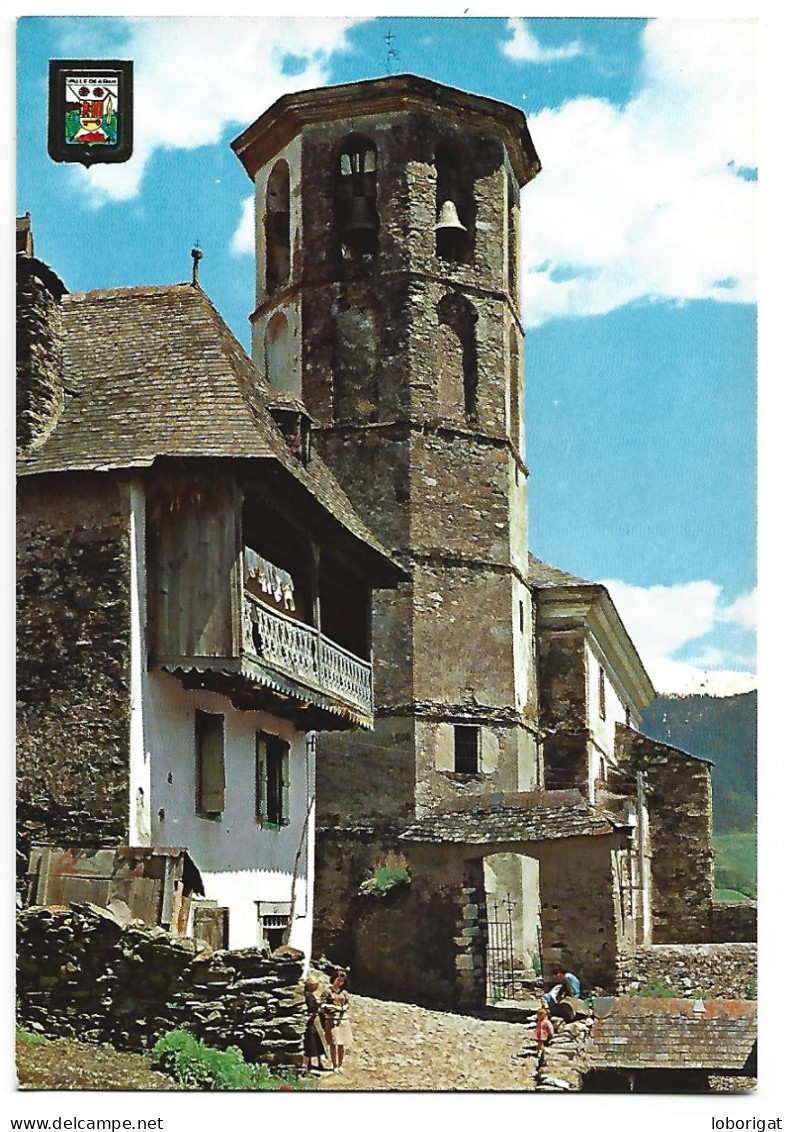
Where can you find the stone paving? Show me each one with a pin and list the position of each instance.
(398, 1047)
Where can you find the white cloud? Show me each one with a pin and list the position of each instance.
(663, 620)
(524, 46)
(648, 201)
(243, 242)
(742, 611)
(196, 76)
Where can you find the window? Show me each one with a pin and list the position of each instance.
(466, 750)
(272, 780)
(627, 717)
(273, 919)
(209, 764)
(601, 692)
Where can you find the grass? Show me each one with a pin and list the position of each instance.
(731, 896)
(735, 865)
(198, 1066)
(30, 1039)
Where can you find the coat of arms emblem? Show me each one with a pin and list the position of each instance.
(90, 110)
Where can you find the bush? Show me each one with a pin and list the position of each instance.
(198, 1066)
(390, 875)
(656, 988)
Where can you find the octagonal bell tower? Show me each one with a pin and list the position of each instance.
(387, 244)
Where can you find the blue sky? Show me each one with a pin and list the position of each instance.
(638, 263)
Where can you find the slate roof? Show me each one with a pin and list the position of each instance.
(536, 815)
(155, 372)
(666, 1033)
(543, 575)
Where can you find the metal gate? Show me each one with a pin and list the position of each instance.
(501, 982)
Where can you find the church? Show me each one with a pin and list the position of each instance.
(280, 611)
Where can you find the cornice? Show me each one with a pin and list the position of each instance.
(276, 127)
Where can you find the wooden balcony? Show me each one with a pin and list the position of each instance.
(301, 653)
(286, 667)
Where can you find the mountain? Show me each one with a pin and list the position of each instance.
(722, 729)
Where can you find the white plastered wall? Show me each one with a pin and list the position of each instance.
(240, 861)
(290, 308)
(602, 731)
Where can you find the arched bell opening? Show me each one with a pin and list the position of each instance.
(455, 207)
(356, 216)
(277, 226)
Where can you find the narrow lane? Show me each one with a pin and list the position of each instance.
(402, 1047)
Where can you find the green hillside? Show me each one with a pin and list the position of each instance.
(724, 731)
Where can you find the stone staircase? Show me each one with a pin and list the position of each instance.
(564, 1060)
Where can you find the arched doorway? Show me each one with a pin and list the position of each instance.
(514, 930)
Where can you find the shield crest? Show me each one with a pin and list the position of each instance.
(90, 110)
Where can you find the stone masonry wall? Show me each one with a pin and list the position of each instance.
(734, 922)
(39, 392)
(561, 671)
(433, 917)
(82, 972)
(679, 796)
(438, 916)
(714, 970)
(73, 619)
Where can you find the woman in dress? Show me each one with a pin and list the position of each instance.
(335, 1004)
(314, 1043)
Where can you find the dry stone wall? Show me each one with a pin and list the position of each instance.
(713, 970)
(83, 972)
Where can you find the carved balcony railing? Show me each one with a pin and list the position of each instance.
(303, 655)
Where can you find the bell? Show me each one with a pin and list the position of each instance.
(449, 218)
(359, 218)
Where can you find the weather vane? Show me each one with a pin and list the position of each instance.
(391, 52)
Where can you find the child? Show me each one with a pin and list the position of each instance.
(544, 1030)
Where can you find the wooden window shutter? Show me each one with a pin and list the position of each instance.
(210, 760)
(272, 780)
(261, 777)
(284, 785)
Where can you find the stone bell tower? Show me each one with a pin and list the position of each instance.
(387, 231)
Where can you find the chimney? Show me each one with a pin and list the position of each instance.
(40, 393)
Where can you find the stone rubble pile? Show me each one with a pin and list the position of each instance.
(564, 1060)
(95, 974)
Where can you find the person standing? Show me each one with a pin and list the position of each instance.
(544, 1030)
(314, 1041)
(335, 1005)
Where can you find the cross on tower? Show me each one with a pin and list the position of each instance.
(391, 52)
